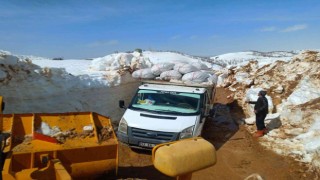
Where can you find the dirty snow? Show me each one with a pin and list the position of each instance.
(294, 93)
(32, 84)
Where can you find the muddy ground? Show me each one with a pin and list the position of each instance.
(238, 154)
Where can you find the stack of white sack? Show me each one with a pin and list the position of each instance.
(191, 73)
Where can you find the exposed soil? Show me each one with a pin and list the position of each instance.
(238, 154)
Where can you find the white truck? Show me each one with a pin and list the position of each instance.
(163, 112)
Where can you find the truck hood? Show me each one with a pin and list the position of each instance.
(158, 122)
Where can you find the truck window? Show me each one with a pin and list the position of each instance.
(168, 102)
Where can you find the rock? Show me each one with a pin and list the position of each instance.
(254, 176)
(88, 128)
(295, 131)
(240, 121)
(279, 89)
(57, 134)
(250, 121)
(248, 82)
(241, 76)
(273, 121)
(265, 86)
(105, 133)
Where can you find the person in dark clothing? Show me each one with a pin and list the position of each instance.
(261, 111)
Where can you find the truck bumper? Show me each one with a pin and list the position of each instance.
(146, 139)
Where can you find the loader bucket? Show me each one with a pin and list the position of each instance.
(71, 151)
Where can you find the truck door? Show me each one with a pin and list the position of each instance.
(204, 113)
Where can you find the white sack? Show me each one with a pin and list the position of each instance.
(170, 75)
(213, 78)
(197, 77)
(157, 69)
(185, 68)
(143, 74)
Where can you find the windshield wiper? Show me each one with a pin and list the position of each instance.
(164, 110)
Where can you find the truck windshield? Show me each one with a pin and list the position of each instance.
(168, 102)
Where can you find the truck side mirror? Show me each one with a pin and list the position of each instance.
(121, 104)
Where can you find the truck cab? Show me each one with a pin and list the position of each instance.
(164, 112)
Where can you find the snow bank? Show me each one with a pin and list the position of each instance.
(294, 89)
(119, 60)
(62, 86)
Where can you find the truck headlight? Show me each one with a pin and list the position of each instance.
(123, 126)
(186, 133)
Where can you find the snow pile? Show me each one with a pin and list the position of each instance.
(120, 60)
(29, 57)
(8, 59)
(61, 86)
(171, 57)
(242, 58)
(32, 84)
(293, 93)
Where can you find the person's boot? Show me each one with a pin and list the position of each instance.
(259, 133)
(265, 131)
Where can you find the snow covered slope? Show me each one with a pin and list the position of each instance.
(294, 90)
(242, 58)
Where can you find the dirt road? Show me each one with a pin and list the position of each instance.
(239, 154)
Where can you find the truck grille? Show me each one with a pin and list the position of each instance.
(155, 135)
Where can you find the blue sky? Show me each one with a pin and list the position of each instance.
(94, 28)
